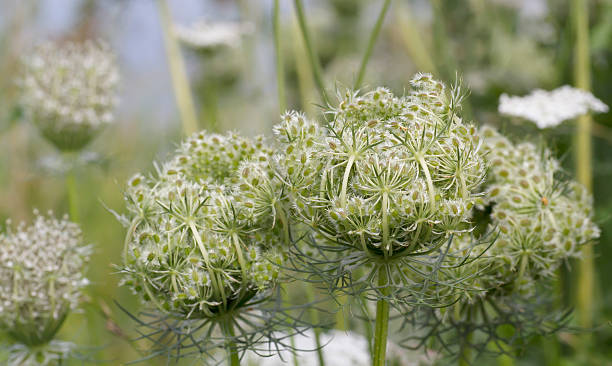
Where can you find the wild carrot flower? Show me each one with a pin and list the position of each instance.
(385, 184)
(68, 91)
(41, 281)
(539, 219)
(388, 177)
(205, 231)
(550, 108)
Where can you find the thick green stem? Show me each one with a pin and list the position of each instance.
(312, 56)
(466, 351)
(280, 75)
(371, 42)
(178, 74)
(582, 75)
(382, 319)
(230, 344)
(314, 318)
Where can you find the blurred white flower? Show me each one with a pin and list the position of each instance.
(209, 35)
(69, 91)
(41, 278)
(550, 108)
(340, 348)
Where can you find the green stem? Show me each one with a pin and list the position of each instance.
(314, 318)
(178, 74)
(345, 179)
(71, 189)
(211, 106)
(582, 75)
(466, 351)
(430, 187)
(382, 320)
(287, 300)
(385, 223)
(280, 79)
(371, 42)
(312, 56)
(232, 350)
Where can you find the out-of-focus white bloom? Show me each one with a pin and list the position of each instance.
(208, 35)
(550, 108)
(340, 348)
(68, 91)
(41, 279)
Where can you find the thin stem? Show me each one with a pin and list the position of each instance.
(305, 83)
(211, 106)
(314, 318)
(371, 42)
(230, 344)
(582, 75)
(71, 189)
(280, 75)
(178, 74)
(382, 319)
(312, 56)
(385, 223)
(287, 301)
(345, 178)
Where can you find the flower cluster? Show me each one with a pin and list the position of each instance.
(550, 108)
(541, 218)
(387, 177)
(532, 220)
(205, 229)
(69, 91)
(41, 277)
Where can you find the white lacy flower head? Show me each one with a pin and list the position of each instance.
(69, 91)
(208, 35)
(340, 348)
(41, 277)
(550, 108)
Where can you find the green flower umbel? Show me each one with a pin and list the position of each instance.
(41, 281)
(69, 91)
(385, 184)
(388, 176)
(539, 220)
(205, 230)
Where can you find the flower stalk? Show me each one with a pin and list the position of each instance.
(582, 75)
(178, 74)
(315, 64)
(373, 36)
(382, 319)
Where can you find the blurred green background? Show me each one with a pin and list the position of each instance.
(496, 46)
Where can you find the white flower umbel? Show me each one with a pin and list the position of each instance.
(41, 281)
(204, 234)
(550, 108)
(210, 35)
(69, 91)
